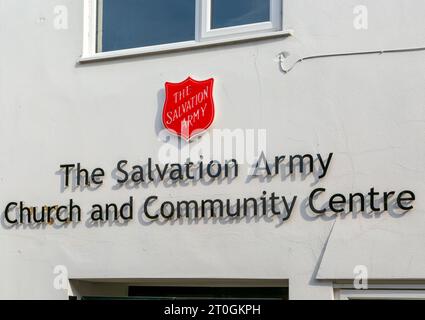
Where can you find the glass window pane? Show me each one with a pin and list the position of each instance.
(138, 23)
(228, 13)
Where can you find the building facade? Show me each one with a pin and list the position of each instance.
(335, 85)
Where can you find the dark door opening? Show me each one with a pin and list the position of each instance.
(216, 293)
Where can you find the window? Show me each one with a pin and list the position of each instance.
(225, 13)
(128, 24)
(232, 17)
(153, 25)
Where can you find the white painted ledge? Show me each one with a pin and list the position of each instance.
(180, 46)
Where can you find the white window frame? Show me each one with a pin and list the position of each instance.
(204, 35)
(382, 295)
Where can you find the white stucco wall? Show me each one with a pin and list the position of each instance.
(369, 110)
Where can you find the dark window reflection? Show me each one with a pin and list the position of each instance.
(139, 23)
(228, 13)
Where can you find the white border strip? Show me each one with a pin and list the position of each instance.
(178, 46)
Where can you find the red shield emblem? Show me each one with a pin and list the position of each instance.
(189, 107)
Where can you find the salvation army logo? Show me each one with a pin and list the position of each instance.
(189, 107)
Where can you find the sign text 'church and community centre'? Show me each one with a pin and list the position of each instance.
(152, 207)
